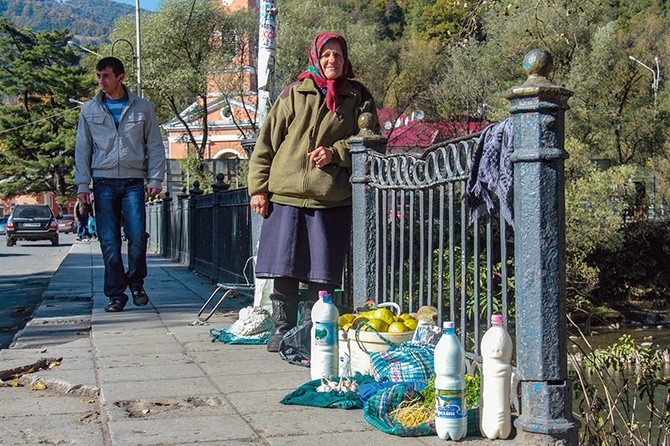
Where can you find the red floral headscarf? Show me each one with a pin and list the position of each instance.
(335, 86)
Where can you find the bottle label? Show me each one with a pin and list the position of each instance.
(325, 333)
(450, 404)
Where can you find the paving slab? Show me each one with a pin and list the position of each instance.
(156, 389)
(192, 406)
(18, 402)
(55, 429)
(146, 372)
(214, 429)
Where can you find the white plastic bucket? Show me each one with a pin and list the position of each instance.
(368, 342)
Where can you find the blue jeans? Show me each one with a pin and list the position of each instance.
(117, 199)
(82, 230)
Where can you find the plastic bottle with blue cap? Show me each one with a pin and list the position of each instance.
(451, 415)
(324, 358)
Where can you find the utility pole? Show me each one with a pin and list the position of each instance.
(137, 48)
(267, 35)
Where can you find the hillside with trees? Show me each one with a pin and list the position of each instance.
(91, 21)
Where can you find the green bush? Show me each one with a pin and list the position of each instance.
(594, 205)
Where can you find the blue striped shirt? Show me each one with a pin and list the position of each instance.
(115, 107)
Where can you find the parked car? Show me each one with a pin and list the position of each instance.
(32, 222)
(3, 224)
(67, 224)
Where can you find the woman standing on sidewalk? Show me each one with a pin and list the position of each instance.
(299, 181)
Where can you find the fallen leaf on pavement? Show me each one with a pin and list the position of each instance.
(39, 386)
(53, 364)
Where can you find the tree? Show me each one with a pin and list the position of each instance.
(183, 45)
(300, 21)
(39, 73)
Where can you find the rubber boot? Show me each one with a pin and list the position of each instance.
(284, 315)
(306, 312)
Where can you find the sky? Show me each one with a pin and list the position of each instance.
(151, 5)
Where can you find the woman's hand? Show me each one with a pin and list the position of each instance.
(259, 204)
(321, 156)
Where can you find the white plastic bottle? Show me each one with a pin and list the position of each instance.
(496, 417)
(324, 358)
(451, 415)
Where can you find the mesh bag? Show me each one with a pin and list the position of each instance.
(407, 362)
(379, 406)
(377, 412)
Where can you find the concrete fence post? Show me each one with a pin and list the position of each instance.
(538, 109)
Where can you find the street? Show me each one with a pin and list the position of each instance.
(25, 272)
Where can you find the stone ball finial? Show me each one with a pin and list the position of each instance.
(219, 177)
(366, 121)
(196, 184)
(538, 63)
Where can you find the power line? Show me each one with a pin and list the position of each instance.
(39, 120)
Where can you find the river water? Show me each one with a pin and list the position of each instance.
(616, 382)
(605, 336)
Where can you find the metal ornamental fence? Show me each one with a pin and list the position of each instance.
(211, 233)
(425, 251)
(415, 244)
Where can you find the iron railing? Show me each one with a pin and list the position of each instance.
(426, 252)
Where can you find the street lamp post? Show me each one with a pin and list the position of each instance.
(656, 76)
(655, 81)
(134, 58)
(135, 62)
(75, 44)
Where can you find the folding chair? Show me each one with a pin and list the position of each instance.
(229, 290)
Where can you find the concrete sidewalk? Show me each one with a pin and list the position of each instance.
(147, 377)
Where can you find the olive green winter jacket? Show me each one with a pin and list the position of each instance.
(298, 123)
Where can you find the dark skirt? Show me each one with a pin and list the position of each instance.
(307, 244)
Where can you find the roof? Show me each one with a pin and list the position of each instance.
(405, 133)
(191, 114)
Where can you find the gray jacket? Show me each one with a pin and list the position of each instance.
(134, 150)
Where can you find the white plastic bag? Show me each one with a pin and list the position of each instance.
(262, 290)
(252, 322)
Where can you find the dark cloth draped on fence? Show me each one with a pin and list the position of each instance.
(492, 172)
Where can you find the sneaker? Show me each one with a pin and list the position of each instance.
(116, 304)
(140, 297)
(78, 239)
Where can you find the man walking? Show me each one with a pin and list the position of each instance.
(82, 212)
(119, 147)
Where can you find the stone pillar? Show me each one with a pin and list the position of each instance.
(364, 272)
(538, 109)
